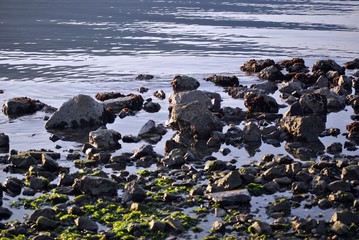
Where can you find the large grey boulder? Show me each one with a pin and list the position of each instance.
(105, 139)
(79, 112)
(307, 128)
(209, 100)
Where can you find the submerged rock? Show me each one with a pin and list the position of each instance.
(79, 112)
(21, 106)
(224, 81)
(254, 66)
(132, 102)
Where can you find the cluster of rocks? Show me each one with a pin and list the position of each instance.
(150, 204)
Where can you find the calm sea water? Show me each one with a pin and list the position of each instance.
(53, 50)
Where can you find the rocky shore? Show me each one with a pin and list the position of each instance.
(187, 192)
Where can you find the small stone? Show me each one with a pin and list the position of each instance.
(84, 223)
(218, 226)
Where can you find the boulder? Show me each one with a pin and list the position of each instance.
(4, 143)
(22, 160)
(96, 186)
(21, 106)
(290, 87)
(345, 216)
(209, 100)
(84, 223)
(182, 83)
(271, 73)
(105, 139)
(267, 87)
(254, 66)
(251, 132)
(151, 107)
(307, 128)
(324, 66)
(160, 94)
(352, 64)
(234, 197)
(12, 186)
(260, 228)
(260, 103)
(108, 95)
(132, 102)
(80, 111)
(314, 103)
(194, 119)
(229, 182)
(224, 81)
(175, 159)
(133, 192)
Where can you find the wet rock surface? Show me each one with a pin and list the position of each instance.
(197, 187)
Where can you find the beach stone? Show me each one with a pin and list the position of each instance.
(230, 181)
(322, 82)
(350, 173)
(108, 95)
(12, 186)
(38, 183)
(305, 225)
(150, 130)
(352, 64)
(299, 187)
(144, 77)
(290, 87)
(4, 143)
(156, 225)
(268, 87)
(353, 129)
(105, 139)
(327, 65)
(260, 228)
(22, 161)
(224, 81)
(218, 226)
(21, 106)
(254, 66)
(314, 103)
(260, 103)
(307, 128)
(151, 107)
(271, 73)
(133, 192)
(79, 112)
(182, 83)
(209, 100)
(175, 159)
(279, 207)
(45, 212)
(319, 185)
(96, 186)
(175, 224)
(233, 197)
(132, 102)
(144, 150)
(339, 185)
(251, 132)
(346, 83)
(345, 216)
(44, 223)
(335, 148)
(339, 228)
(49, 163)
(5, 213)
(194, 119)
(84, 223)
(274, 172)
(160, 94)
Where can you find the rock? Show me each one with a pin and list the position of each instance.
(84, 223)
(280, 207)
(256, 65)
(108, 95)
(353, 129)
(22, 161)
(144, 77)
(21, 106)
(271, 73)
(251, 132)
(314, 103)
(150, 130)
(352, 64)
(160, 94)
(346, 83)
(96, 186)
(350, 173)
(49, 163)
(340, 228)
(274, 172)
(151, 107)
(229, 198)
(260, 228)
(133, 192)
(218, 226)
(260, 103)
(105, 139)
(175, 159)
(144, 150)
(4, 143)
(5, 213)
(290, 87)
(335, 148)
(12, 186)
(175, 225)
(231, 181)
(345, 216)
(267, 87)
(182, 83)
(79, 112)
(319, 185)
(299, 187)
(194, 119)
(324, 66)
(38, 183)
(132, 102)
(44, 223)
(307, 128)
(304, 225)
(209, 100)
(224, 81)
(47, 212)
(322, 82)
(156, 226)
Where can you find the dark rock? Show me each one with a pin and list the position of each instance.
(256, 65)
(232, 115)
(228, 198)
(47, 212)
(133, 192)
(132, 102)
(260, 228)
(49, 163)
(96, 186)
(346, 217)
(350, 173)
(38, 183)
(131, 139)
(251, 132)
(335, 148)
(299, 187)
(160, 94)
(352, 64)
(79, 112)
(21, 106)
(209, 100)
(4, 143)
(218, 226)
(260, 103)
(323, 66)
(44, 223)
(156, 226)
(84, 223)
(230, 181)
(340, 228)
(144, 150)
(267, 87)
(12, 186)
(144, 77)
(151, 107)
(182, 83)
(175, 159)
(314, 103)
(353, 129)
(304, 225)
(105, 139)
(274, 172)
(224, 81)
(108, 95)
(5, 213)
(22, 161)
(307, 128)
(271, 73)
(280, 207)
(175, 225)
